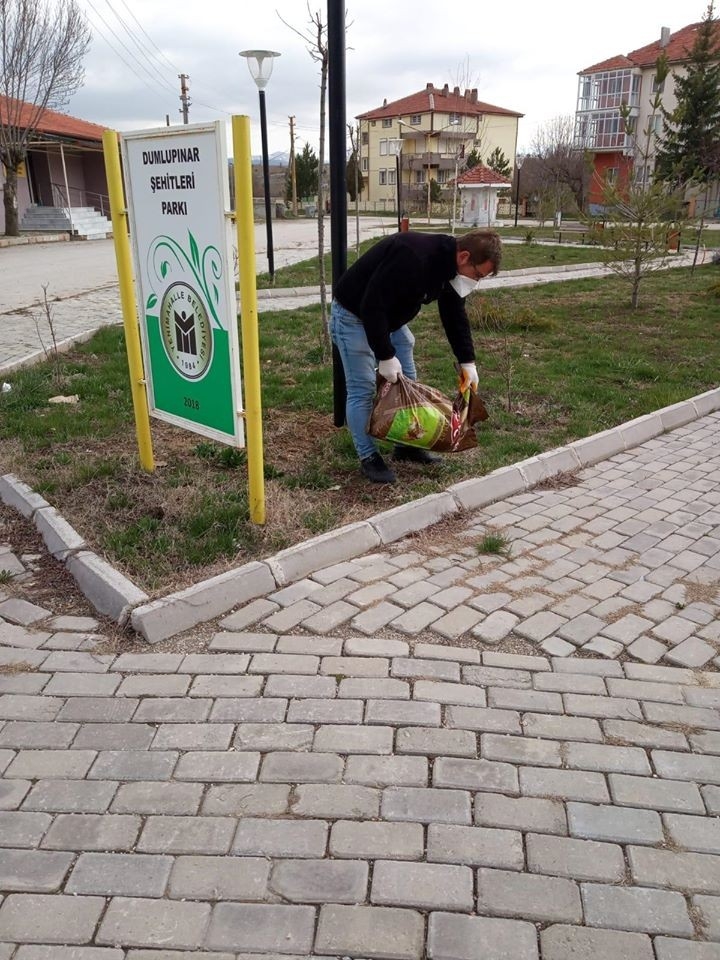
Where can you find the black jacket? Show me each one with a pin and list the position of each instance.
(387, 286)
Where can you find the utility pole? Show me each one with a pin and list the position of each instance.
(184, 97)
(293, 179)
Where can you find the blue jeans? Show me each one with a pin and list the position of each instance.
(359, 363)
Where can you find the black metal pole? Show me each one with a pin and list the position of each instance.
(397, 179)
(338, 190)
(266, 187)
(517, 193)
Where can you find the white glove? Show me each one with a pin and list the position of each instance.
(391, 369)
(469, 376)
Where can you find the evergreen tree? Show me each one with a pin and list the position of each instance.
(352, 172)
(473, 159)
(689, 149)
(306, 173)
(498, 162)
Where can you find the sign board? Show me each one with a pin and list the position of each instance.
(176, 181)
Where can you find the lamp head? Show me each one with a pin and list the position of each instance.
(260, 64)
(394, 147)
(519, 161)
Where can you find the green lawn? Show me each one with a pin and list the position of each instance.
(556, 363)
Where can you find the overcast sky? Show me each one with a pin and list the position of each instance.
(521, 55)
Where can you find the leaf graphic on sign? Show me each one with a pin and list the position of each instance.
(151, 301)
(216, 292)
(194, 252)
(164, 269)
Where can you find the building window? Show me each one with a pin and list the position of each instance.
(611, 175)
(454, 118)
(391, 179)
(419, 176)
(383, 177)
(608, 89)
(387, 122)
(598, 131)
(655, 124)
(642, 173)
(383, 148)
(364, 164)
(416, 119)
(365, 139)
(443, 176)
(658, 86)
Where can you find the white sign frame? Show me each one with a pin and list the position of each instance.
(177, 189)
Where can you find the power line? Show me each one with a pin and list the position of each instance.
(146, 53)
(152, 42)
(148, 63)
(125, 47)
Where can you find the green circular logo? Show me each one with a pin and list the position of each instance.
(186, 331)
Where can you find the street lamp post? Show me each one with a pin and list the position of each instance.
(260, 64)
(395, 148)
(519, 160)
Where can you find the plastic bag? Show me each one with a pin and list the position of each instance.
(410, 413)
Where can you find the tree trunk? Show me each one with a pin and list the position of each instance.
(325, 319)
(12, 226)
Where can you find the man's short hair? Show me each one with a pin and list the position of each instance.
(482, 245)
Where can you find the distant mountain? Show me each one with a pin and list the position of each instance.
(275, 159)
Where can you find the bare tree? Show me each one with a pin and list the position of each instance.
(42, 46)
(642, 215)
(317, 45)
(562, 167)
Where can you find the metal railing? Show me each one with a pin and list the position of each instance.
(79, 197)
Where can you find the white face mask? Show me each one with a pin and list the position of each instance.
(463, 286)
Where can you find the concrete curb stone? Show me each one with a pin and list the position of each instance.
(549, 464)
(203, 601)
(501, 483)
(329, 548)
(60, 538)
(409, 517)
(599, 446)
(15, 493)
(678, 414)
(107, 590)
(640, 430)
(116, 596)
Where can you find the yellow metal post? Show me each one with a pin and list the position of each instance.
(118, 215)
(248, 313)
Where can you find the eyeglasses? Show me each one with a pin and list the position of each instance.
(481, 270)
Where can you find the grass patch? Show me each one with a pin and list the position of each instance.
(581, 361)
(494, 543)
(6, 576)
(307, 272)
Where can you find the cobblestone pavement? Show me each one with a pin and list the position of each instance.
(321, 779)
(623, 561)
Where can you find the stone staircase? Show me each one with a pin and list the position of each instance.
(87, 223)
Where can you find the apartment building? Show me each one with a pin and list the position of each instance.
(426, 136)
(628, 80)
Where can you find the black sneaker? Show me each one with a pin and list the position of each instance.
(375, 469)
(416, 455)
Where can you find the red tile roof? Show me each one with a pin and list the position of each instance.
(51, 122)
(482, 174)
(437, 100)
(676, 49)
(614, 63)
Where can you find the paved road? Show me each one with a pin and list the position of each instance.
(81, 281)
(71, 269)
(423, 752)
(426, 752)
